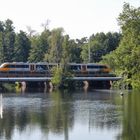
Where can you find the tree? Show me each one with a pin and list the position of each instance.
(39, 47)
(1, 42)
(75, 48)
(85, 53)
(22, 47)
(66, 52)
(99, 45)
(127, 56)
(8, 40)
(55, 46)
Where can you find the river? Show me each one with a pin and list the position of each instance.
(75, 115)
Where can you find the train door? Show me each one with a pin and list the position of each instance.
(32, 67)
(83, 68)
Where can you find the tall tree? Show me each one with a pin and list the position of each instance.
(1, 42)
(55, 46)
(22, 47)
(9, 40)
(65, 56)
(35, 49)
(99, 45)
(127, 55)
(39, 46)
(75, 48)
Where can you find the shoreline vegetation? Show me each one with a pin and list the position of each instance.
(121, 51)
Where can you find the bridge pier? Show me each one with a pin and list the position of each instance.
(23, 86)
(31, 86)
(92, 84)
(86, 85)
(44, 83)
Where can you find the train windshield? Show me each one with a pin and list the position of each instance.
(3, 65)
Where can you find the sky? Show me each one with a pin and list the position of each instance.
(79, 18)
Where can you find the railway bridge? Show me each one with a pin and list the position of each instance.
(90, 74)
(45, 82)
(45, 79)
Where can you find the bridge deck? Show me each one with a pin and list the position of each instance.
(35, 79)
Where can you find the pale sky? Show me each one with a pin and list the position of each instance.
(79, 18)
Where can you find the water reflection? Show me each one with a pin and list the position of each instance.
(70, 116)
(131, 117)
(1, 107)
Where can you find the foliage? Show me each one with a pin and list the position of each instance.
(22, 47)
(52, 45)
(7, 39)
(57, 76)
(39, 46)
(55, 45)
(99, 45)
(61, 76)
(126, 58)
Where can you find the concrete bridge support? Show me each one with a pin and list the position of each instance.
(40, 86)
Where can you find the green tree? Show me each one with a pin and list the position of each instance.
(22, 47)
(75, 48)
(99, 45)
(66, 51)
(85, 53)
(9, 40)
(1, 42)
(55, 46)
(126, 56)
(34, 51)
(39, 46)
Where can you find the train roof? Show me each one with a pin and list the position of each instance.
(46, 63)
(27, 63)
(94, 64)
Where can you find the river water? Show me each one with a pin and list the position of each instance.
(76, 115)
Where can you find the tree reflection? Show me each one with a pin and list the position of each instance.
(52, 116)
(102, 110)
(56, 113)
(131, 120)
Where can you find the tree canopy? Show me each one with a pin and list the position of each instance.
(126, 58)
(53, 45)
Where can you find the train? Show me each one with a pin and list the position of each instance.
(89, 68)
(22, 69)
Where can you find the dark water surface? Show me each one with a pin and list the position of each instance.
(95, 115)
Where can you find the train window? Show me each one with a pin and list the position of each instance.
(102, 67)
(22, 66)
(7, 66)
(92, 67)
(10, 66)
(96, 66)
(41, 67)
(44, 67)
(75, 67)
